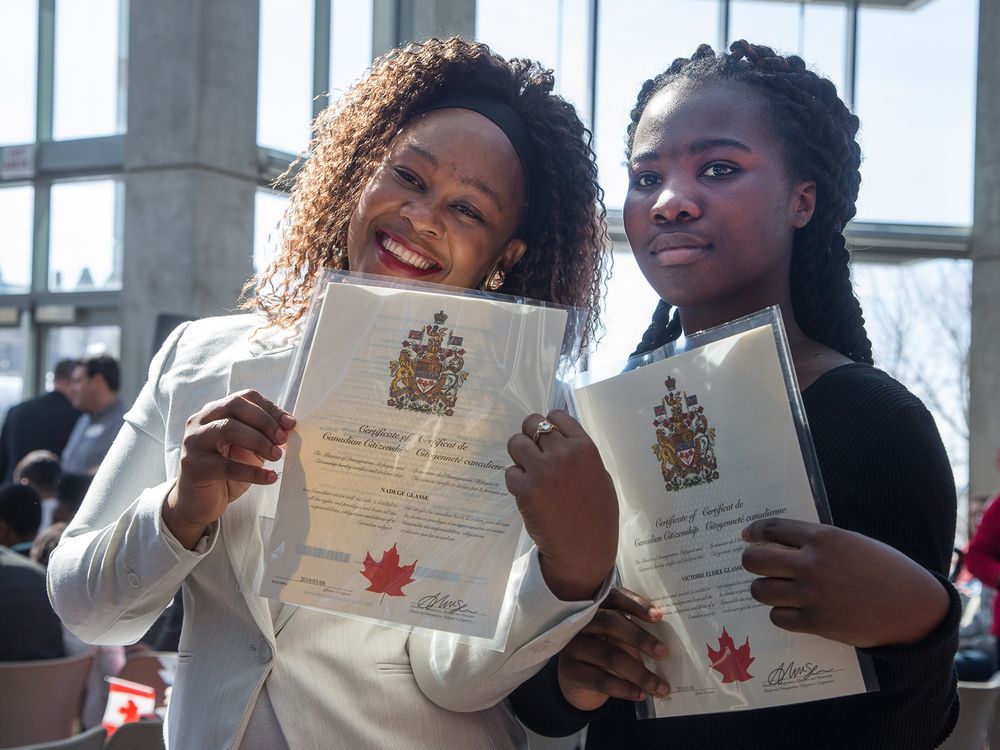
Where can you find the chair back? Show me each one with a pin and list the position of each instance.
(42, 699)
(92, 739)
(137, 735)
(978, 702)
(145, 668)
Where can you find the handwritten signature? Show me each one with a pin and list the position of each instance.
(444, 602)
(792, 671)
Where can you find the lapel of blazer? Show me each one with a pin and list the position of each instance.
(264, 370)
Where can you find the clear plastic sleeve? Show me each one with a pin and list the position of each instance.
(393, 506)
(704, 436)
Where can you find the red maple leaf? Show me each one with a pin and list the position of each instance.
(731, 662)
(129, 712)
(386, 576)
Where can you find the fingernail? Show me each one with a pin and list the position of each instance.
(287, 421)
(654, 613)
(660, 651)
(662, 689)
(280, 437)
(745, 534)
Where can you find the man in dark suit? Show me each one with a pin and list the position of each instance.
(41, 423)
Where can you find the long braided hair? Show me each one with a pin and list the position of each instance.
(818, 134)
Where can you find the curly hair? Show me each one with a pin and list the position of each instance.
(566, 256)
(818, 135)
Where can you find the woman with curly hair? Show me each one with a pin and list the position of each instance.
(445, 163)
(743, 173)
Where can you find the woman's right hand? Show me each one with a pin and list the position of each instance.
(223, 452)
(604, 660)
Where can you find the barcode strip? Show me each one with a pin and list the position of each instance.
(326, 554)
(437, 575)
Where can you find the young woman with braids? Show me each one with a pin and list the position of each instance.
(743, 172)
(444, 163)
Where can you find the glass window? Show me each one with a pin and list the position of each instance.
(285, 74)
(84, 249)
(350, 43)
(78, 342)
(553, 32)
(904, 342)
(917, 112)
(89, 70)
(635, 42)
(12, 360)
(816, 33)
(16, 212)
(19, 52)
(628, 309)
(268, 207)
(573, 66)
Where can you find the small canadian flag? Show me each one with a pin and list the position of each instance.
(127, 701)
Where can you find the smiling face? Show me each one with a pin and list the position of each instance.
(444, 204)
(710, 211)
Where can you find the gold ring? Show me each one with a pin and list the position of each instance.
(543, 428)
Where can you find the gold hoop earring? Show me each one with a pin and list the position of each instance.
(495, 280)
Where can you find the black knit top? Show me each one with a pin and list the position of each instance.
(887, 476)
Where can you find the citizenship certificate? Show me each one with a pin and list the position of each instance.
(393, 504)
(701, 444)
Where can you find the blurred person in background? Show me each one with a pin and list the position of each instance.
(976, 659)
(41, 423)
(977, 509)
(40, 471)
(108, 660)
(46, 541)
(94, 392)
(20, 514)
(29, 628)
(70, 491)
(983, 556)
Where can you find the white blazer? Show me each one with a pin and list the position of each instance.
(333, 682)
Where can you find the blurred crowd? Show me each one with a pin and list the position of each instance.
(50, 448)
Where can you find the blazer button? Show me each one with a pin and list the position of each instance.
(264, 652)
(133, 579)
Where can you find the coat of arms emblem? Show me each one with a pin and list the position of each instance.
(685, 444)
(428, 374)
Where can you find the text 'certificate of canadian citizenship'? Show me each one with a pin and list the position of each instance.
(701, 444)
(393, 504)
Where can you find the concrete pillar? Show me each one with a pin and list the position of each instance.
(984, 367)
(190, 166)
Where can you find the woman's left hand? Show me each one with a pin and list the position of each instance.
(568, 502)
(841, 585)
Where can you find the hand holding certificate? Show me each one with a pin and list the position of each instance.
(393, 503)
(701, 445)
(811, 580)
(558, 468)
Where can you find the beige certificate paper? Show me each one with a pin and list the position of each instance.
(701, 444)
(393, 504)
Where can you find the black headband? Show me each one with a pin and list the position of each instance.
(512, 124)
